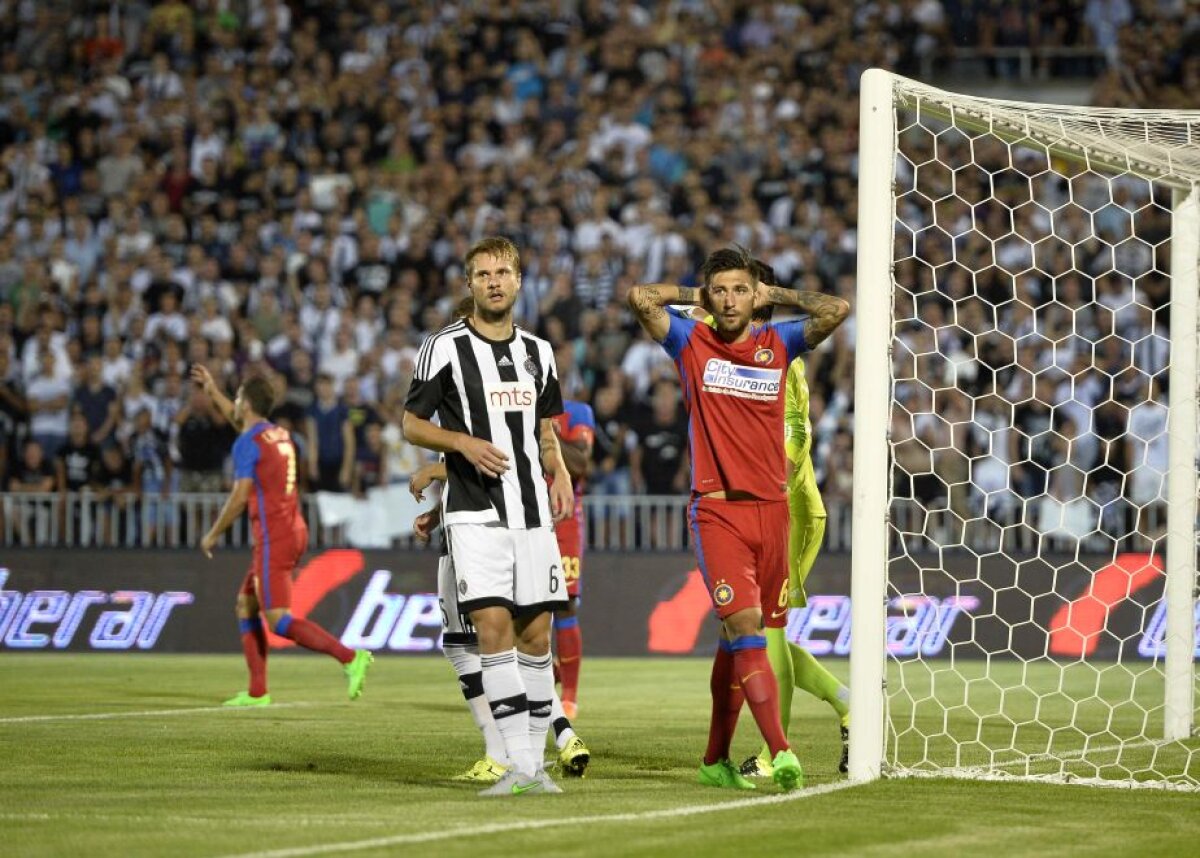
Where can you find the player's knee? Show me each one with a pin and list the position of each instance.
(533, 635)
(494, 629)
(747, 622)
(280, 621)
(245, 607)
(494, 640)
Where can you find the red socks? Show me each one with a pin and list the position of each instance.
(568, 641)
(754, 672)
(254, 648)
(727, 700)
(311, 636)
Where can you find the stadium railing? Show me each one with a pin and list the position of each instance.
(83, 519)
(612, 523)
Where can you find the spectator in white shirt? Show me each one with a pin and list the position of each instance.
(45, 338)
(341, 361)
(1146, 441)
(49, 399)
(117, 366)
(590, 232)
(206, 144)
(168, 320)
(213, 325)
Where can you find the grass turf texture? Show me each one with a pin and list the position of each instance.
(319, 771)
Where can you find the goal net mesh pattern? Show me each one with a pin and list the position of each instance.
(1028, 439)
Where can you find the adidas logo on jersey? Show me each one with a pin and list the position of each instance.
(504, 361)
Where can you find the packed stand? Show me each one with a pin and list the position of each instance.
(289, 188)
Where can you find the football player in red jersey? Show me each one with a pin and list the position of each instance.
(733, 386)
(576, 428)
(264, 473)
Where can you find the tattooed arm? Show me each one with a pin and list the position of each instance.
(647, 303)
(825, 312)
(548, 447)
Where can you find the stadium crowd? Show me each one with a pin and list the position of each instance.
(288, 188)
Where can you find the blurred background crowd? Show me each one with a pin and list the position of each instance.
(289, 188)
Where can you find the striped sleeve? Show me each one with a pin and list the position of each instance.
(432, 376)
(550, 402)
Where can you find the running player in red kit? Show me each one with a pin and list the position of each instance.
(733, 388)
(264, 473)
(576, 428)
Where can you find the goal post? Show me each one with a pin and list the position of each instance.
(1178, 714)
(873, 326)
(1024, 487)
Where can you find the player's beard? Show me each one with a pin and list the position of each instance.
(731, 328)
(495, 314)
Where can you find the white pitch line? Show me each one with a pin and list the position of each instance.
(1079, 753)
(149, 713)
(501, 827)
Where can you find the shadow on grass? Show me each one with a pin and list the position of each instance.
(381, 771)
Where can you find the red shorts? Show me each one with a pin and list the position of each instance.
(269, 579)
(570, 546)
(742, 549)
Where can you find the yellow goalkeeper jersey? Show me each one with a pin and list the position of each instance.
(797, 438)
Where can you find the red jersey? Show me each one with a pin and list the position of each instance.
(576, 423)
(265, 453)
(734, 395)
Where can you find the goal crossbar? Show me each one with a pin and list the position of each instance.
(1153, 144)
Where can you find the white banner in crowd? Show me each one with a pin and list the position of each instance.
(386, 513)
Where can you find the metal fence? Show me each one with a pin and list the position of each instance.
(83, 519)
(612, 523)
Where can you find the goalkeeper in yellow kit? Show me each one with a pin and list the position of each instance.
(795, 666)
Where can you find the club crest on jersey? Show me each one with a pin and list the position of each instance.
(462, 588)
(722, 594)
(747, 382)
(764, 355)
(531, 367)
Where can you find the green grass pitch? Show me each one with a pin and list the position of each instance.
(319, 775)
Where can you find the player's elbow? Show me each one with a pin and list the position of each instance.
(416, 430)
(635, 298)
(841, 309)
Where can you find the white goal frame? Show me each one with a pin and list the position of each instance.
(881, 94)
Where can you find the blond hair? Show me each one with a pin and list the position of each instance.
(495, 245)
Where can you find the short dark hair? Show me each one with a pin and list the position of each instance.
(259, 393)
(734, 258)
(765, 275)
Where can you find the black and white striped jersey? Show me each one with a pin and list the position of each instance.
(498, 391)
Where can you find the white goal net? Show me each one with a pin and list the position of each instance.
(1026, 380)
